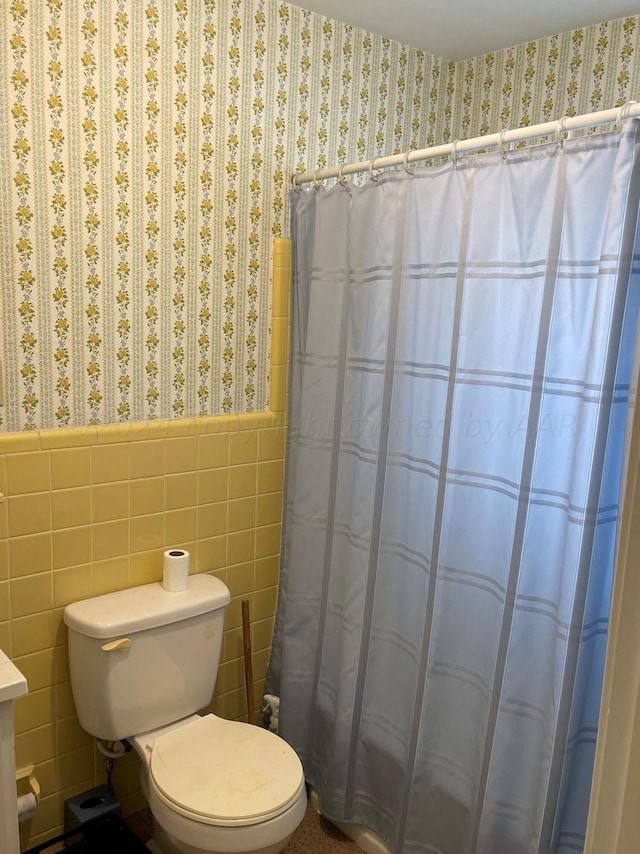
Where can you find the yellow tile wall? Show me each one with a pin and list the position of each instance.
(86, 512)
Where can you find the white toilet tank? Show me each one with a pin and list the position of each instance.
(142, 658)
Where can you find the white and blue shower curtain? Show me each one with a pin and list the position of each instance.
(462, 349)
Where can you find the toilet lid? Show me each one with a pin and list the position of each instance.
(224, 772)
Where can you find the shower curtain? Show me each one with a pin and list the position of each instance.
(462, 342)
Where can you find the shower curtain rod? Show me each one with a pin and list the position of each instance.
(559, 127)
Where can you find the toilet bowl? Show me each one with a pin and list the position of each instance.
(143, 663)
(221, 787)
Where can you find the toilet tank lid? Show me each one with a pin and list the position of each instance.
(145, 607)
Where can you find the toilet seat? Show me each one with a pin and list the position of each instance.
(225, 773)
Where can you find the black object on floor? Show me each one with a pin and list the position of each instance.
(89, 806)
(106, 835)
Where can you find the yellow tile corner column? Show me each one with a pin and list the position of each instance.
(280, 323)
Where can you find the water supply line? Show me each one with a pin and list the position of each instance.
(112, 750)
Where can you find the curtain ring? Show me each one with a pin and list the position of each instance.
(294, 183)
(622, 112)
(341, 179)
(317, 184)
(501, 150)
(405, 163)
(561, 130)
(454, 150)
(373, 177)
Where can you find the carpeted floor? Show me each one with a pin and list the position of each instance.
(314, 835)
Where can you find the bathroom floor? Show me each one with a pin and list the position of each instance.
(317, 834)
(314, 835)
(107, 836)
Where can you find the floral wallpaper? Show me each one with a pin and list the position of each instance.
(569, 74)
(145, 153)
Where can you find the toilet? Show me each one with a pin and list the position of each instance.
(143, 661)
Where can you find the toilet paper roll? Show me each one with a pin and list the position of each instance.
(26, 806)
(175, 570)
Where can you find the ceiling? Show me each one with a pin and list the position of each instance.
(460, 29)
